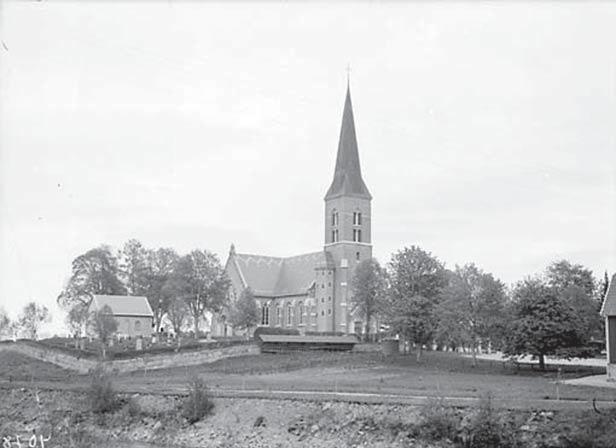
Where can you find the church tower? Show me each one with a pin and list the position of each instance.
(348, 238)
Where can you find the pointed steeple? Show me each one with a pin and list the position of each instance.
(347, 177)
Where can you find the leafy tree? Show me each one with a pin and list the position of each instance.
(369, 288)
(5, 324)
(75, 319)
(416, 279)
(200, 280)
(133, 267)
(94, 272)
(542, 324)
(104, 326)
(471, 309)
(576, 285)
(31, 318)
(160, 264)
(244, 312)
(562, 275)
(178, 315)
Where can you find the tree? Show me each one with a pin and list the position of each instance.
(244, 313)
(576, 285)
(133, 267)
(416, 279)
(369, 288)
(104, 326)
(75, 319)
(562, 274)
(200, 280)
(94, 272)
(5, 324)
(31, 318)
(178, 315)
(542, 324)
(471, 308)
(160, 264)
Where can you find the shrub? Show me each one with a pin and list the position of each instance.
(489, 428)
(101, 394)
(134, 410)
(438, 421)
(591, 431)
(198, 403)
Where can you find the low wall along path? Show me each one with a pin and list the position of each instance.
(147, 361)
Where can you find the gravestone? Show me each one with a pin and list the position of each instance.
(139, 344)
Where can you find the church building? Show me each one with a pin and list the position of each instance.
(311, 292)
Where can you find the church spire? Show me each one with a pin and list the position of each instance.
(347, 176)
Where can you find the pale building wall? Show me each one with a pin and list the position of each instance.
(134, 326)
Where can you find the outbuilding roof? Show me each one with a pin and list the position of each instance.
(609, 303)
(123, 305)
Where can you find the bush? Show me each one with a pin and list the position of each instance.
(438, 421)
(591, 431)
(488, 428)
(198, 403)
(277, 331)
(101, 394)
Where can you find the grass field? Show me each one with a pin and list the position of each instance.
(17, 367)
(437, 374)
(444, 374)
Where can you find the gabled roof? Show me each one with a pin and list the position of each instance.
(609, 303)
(347, 177)
(123, 305)
(277, 276)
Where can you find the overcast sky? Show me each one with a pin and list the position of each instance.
(487, 132)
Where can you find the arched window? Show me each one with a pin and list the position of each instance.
(357, 218)
(137, 325)
(289, 314)
(300, 308)
(278, 315)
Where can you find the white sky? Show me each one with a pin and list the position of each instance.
(487, 132)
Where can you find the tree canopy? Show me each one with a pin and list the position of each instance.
(200, 280)
(94, 272)
(542, 324)
(369, 286)
(416, 279)
(31, 318)
(244, 313)
(471, 309)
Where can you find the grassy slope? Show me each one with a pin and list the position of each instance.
(437, 374)
(17, 367)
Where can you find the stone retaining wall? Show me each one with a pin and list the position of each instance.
(145, 362)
